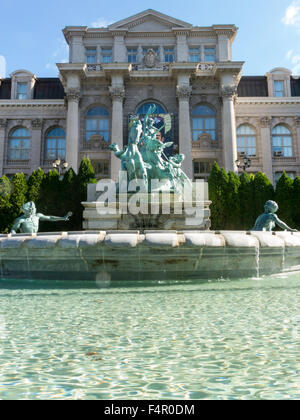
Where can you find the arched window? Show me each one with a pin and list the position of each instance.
(246, 140)
(204, 121)
(282, 142)
(97, 123)
(143, 109)
(55, 144)
(19, 144)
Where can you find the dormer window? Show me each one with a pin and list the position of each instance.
(279, 88)
(21, 91)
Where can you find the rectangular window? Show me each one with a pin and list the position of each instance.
(22, 91)
(279, 88)
(101, 168)
(106, 55)
(210, 54)
(91, 55)
(195, 55)
(169, 55)
(132, 55)
(278, 175)
(202, 170)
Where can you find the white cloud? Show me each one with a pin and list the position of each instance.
(2, 66)
(292, 15)
(100, 23)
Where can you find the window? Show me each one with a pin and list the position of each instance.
(169, 54)
(210, 54)
(143, 109)
(91, 55)
(195, 55)
(202, 170)
(21, 90)
(246, 140)
(101, 168)
(279, 88)
(55, 144)
(279, 174)
(204, 121)
(132, 55)
(97, 123)
(19, 144)
(106, 55)
(282, 142)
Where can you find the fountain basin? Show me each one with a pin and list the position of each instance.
(148, 255)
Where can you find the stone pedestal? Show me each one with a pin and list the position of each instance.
(158, 212)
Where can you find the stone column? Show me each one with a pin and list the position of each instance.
(266, 147)
(119, 48)
(182, 47)
(229, 128)
(117, 93)
(3, 125)
(36, 143)
(297, 120)
(72, 136)
(185, 138)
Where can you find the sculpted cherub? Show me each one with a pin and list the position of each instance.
(268, 220)
(29, 221)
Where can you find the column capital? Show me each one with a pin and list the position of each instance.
(37, 124)
(184, 91)
(117, 93)
(265, 122)
(73, 94)
(229, 91)
(3, 123)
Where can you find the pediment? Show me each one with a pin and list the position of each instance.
(149, 21)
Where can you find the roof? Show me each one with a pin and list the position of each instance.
(45, 88)
(253, 86)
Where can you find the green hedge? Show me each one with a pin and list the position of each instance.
(237, 201)
(52, 196)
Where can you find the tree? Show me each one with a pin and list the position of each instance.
(262, 192)
(247, 214)
(218, 186)
(284, 198)
(18, 197)
(296, 203)
(5, 206)
(34, 185)
(232, 208)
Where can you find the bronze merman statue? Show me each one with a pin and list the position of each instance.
(29, 221)
(268, 220)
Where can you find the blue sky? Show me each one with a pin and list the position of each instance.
(31, 33)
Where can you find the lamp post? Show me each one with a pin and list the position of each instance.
(243, 163)
(60, 165)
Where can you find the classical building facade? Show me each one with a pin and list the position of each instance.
(187, 71)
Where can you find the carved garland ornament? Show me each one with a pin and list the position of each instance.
(73, 95)
(184, 91)
(117, 92)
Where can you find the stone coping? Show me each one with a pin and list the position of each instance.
(152, 238)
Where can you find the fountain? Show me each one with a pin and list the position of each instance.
(122, 242)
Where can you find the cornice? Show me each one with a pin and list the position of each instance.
(268, 101)
(46, 103)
